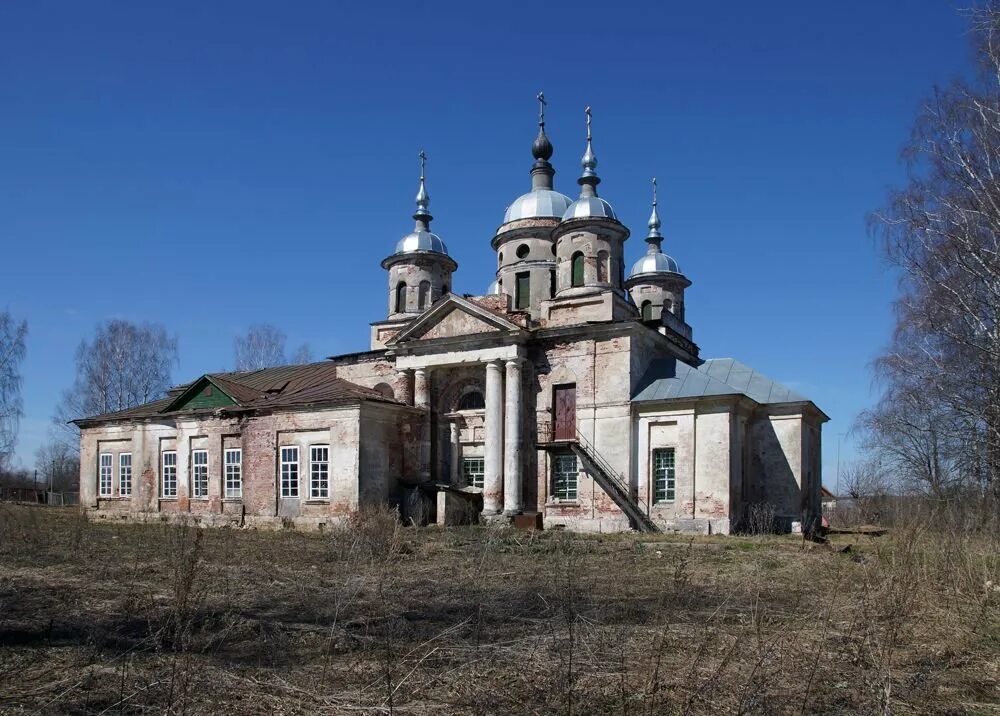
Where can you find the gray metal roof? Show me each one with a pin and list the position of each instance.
(669, 378)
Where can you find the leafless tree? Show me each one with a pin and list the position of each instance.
(942, 231)
(263, 346)
(57, 465)
(303, 354)
(12, 350)
(123, 366)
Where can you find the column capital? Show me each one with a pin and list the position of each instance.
(496, 364)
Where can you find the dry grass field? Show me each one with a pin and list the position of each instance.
(377, 618)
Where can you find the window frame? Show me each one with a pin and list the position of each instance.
(232, 473)
(470, 477)
(576, 281)
(466, 396)
(423, 294)
(101, 474)
(122, 467)
(567, 491)
(400, 298)
(196, 468)
(669, 490)
(287, 487)
(324, 479)
(522, 290)
(163, 474)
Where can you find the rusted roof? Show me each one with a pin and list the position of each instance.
(285, 387)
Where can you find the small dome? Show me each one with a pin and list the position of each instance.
(539, 203)
(494, 289)
(421, 241)
(590, 207)
(654, 263)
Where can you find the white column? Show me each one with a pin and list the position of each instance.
(403, 387)
(456, 473)
(493, 464)
(513, 503)
(422, 399)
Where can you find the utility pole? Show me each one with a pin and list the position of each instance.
(836, 487)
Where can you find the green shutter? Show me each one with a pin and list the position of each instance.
(522, 291)
(578, 269)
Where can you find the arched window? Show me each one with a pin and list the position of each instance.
(385, 390)
(473, 400)
(401, 297)
(577, 264)
(424, 294)
(603, 263)
(647, 310)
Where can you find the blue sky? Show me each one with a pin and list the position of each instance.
(213, 165)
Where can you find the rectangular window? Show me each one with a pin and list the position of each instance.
(199, 473)
(319, 472)
(168, 474)
(522, 291)
(473, 469)
(104, 483)
(663, 475)
(290, 471)
(564, 477)
(234, 473)
(125, 474)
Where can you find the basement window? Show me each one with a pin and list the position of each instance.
(564, 477)
(664, 480)
(290, 471)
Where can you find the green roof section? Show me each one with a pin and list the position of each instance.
(203, 393)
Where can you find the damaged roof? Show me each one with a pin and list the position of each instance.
(669, 378)
(284, 387)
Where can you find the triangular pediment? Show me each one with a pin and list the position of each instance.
(202, 393)
(451, 317)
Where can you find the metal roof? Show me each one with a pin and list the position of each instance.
(669, 378)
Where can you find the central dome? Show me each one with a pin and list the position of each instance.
(589, 207)
(421, 241)
(538, 204)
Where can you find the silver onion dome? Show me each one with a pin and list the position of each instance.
(421, 238)
(589, 205)
(493, 289)
(538, 203)
(655, 261)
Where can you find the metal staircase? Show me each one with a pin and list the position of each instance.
(613, 483)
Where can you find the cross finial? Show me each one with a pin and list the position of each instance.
(541, 108)
(587, 112)
(654, 191)
(423, 162)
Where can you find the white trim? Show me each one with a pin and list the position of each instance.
(163, 474)
(236, 473)
(105, 479)
(195, 465)
(121, 469)
(291, 491)
(321, 480)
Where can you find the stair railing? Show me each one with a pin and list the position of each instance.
(616, 477)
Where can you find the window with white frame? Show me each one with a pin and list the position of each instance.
(125, 474)
(473, 469)
(663, 475)
(234, 473)
(199, 473)
(168, 474)
(564, 477)
(104, 480)
(290, 471)
(319, 472)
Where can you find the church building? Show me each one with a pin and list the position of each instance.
(570, 394)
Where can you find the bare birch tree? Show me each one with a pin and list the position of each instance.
(12, 349)
(123, 366)
(942, 231)
(263, 346)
